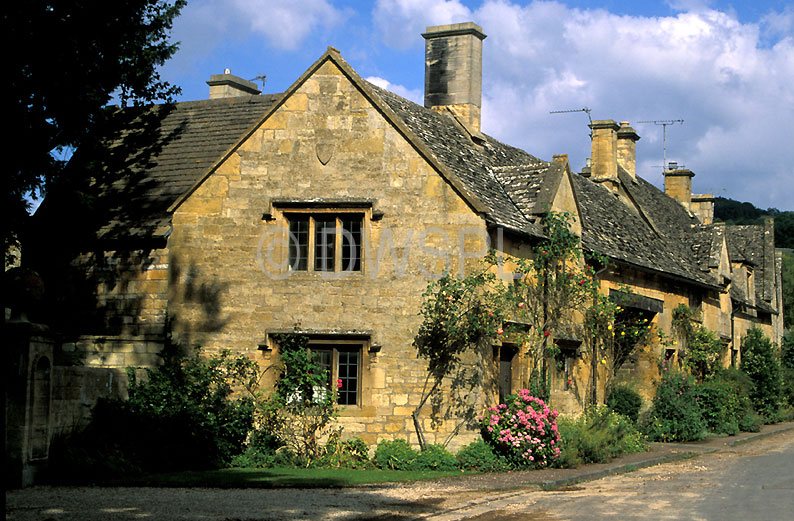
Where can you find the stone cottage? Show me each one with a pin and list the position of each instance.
(328, 207)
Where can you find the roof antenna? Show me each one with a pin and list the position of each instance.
(260, 77)
(664, 123)
(586, 110)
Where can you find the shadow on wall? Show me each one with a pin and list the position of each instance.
(195, 303)
(98, 221)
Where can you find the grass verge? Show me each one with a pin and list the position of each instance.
(278, 477)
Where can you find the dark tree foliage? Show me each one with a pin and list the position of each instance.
(64, 61)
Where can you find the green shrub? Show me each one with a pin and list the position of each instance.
(352, 453)
(785, 414)
(598, 436)
(787, 352)
(181, 417)
(787, 386)
(674, 414)
(626, 401)
(435, 457)
(395, 455)
(751, 421)
(787, 369)
(719, 406)
(264, 450)
(480, 457)
(760, 364)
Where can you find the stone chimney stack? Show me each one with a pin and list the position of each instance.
(227, 85)
(453, 70)
(702, 206)
(604, 153)
(678, 184)
(627, 148)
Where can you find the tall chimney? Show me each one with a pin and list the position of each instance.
(227, 85)
(678, 184)
(605, 152)
(627, 148)
(453, 70)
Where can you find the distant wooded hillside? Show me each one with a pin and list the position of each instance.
(735, 212)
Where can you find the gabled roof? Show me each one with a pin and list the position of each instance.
(474, 164)
(708, 244)
(754, 244)
(507, 186)
(609, 226)
(150, 157)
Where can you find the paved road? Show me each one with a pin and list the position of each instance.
(752, 481)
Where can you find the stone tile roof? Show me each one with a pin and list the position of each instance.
(473, 163)
(659, 237)
(155, 155)
(192, 137)
(742, 243)
(707, 244)
(523, 184)
(754, 244)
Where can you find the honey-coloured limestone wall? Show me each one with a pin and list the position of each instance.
(230, 285)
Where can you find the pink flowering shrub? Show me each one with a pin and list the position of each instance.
(523, 430)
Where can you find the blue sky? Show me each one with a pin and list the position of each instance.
(725, 68)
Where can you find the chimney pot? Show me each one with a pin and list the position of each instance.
(453, 70)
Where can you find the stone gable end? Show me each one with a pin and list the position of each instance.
(326, 143)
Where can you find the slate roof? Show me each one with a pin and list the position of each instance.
(754, 244)
(660, 238)
(155, 155)
(656, 232)
(612, 228)
(474, 164)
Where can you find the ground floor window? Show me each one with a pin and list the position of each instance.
(342, 364)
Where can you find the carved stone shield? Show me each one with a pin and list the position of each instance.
(324, 152)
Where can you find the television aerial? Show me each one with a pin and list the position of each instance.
(586, 110)
(664, 123)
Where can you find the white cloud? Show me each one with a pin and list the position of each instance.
(779, 23)
(401, 21)
(286, 24)
(415, 95)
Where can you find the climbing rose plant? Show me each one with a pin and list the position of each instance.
(523, 430)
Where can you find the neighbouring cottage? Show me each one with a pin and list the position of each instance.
(327, 208)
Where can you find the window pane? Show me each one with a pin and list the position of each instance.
(323, 358)
(298, 243)
(347, 373)
(324, 242)
(351, 243)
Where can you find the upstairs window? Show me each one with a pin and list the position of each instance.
(329, 242)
